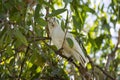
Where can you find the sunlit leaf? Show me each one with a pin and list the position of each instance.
(38, 69)
(29, 64)
(76, 22)
(56, 12)
(87, 9)
(89, 66)
(41, 21)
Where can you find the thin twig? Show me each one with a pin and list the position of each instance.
(103, 71)
(23, 62)
(109, 76)
(38, 39)
(111, 56)
(47, 12)
(65, 31)
(64, 38)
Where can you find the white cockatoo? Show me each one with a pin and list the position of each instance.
(59, 39)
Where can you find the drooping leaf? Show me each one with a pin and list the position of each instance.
(67, 1)
(56, 12)
(37, 59)
(63, 25)
(37, 9)
(99, 40)
(20, 36)
(87, 9)
(76, 22)
(9, 50)
(2, 37)
(70, 42)
(41, 21)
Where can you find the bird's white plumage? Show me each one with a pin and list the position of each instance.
(58, 35)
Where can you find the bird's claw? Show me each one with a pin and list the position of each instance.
(60, 50)
(70, 59)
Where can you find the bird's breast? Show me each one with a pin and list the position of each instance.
(58, 38)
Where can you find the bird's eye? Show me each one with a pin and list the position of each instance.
(51, 23)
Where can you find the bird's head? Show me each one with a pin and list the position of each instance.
(52, 24)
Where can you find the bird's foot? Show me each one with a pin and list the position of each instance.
(70, 59)
(60, 50)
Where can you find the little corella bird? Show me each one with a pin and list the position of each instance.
(59, 39)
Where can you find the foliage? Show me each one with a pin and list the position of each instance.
(25, 55)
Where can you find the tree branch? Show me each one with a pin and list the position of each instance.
(47, 12)
(23, 62)
(83, 71)
(65, 31)
(103, 71)
(38, 39)
(111, 56)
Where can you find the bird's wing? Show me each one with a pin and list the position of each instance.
(77, 50)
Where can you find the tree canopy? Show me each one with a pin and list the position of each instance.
(26, 50)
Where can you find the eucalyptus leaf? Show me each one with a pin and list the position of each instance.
(20, 36)
(67, 1)
(87, 9)
(37, 9)
(41, 21)
(37, 59)
(70, 42)
(99, 40)
(56, 12)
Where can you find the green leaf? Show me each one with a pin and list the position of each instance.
(63, 25)
(54, 47)
(99, 40)
(2, 37)
(37, 9)
(56, 12)
(41, 21)
(67, 1)
(76, 22)
(70, 42)
(9, 50)
(87, 9)
(20, 36)
(37, 59)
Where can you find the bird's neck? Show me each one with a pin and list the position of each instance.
(58, 30)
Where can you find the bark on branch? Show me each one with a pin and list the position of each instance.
(111, 56)
(83, 71)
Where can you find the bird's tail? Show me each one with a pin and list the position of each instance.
(81, 58)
